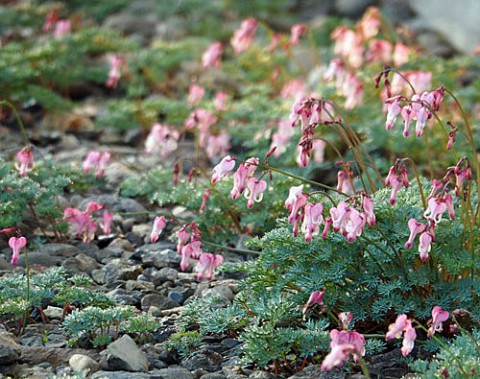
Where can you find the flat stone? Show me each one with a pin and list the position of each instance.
(9, 348)
(79, 362)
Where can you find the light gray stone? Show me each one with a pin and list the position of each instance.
(458, 22)
(116, 269)
(124, 354)
(53, 313)
(80, 362)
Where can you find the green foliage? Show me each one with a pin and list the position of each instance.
(185, 342)
(53, 286)
(38, 192)
(458, 358)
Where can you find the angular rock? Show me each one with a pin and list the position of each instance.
(159, 301)
(124, 355)
(80, 264)
(9, 348)
(314, 372)
(160, 258)
(116, 269)
(53, 313)
(59, 250)
(79, 362)
(206, 360)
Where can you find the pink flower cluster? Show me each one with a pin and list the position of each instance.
(403, 325)
(243, 179)
(214, 144)
(419, 108)
(190, 246)
(343, 344)
(97, 161)
(82, 223)
(344, 218)
(243, 36)
(310, 112)
(439, 201)
(347, 83)
(162, 139)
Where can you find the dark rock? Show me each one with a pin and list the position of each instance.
(123, 297)
(159, 301)
(80, 264)
(207, 360)
(9, 348)
(161, 258)
(124, 354)
(352, 8)
(116, 269)
(59, 250)
(213, 375)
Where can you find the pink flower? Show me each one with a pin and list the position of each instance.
(408, 339)
(219, 101)
(337, 356)
(316, 297)
(345, 337)
(370, 23)
(117, 65)
(205, 197)
(221, 170)
(369, 214)
(194, 250)
(93, 207)
(159, 223)
(312, 219)
(348, 45)
(62, 28)
(401, 54)
(439, 316)
(162, 139)
(81, 222)
(243, 37)
(255, 190)
(239, 181)
(344, 183)
(339, 215)
(25, 157)
(352, 89)
(396, 329)
(326, 228)
(393, 110)
(415, 228)
(106, 224)
(436, 208)
(354, 225)
(16, 244)
(183, 236)
(97, 161)
(297, 31)
(195, 94)
(217, 145)
(425, 245)
(212, 57)
(207, 264)
(397, 182)
(379, 50)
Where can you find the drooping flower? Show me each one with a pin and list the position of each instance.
(205, 197)
(408, 339)
(220, 101)
(425, 245)
(243, 36)
(212, 57)
(117, 66)
(207, 264)
(25, 157)
(415, 228)
(351, 338)
(344, 183)
(396, 181)
(162, 139)
(97, 161)
(106, 224)
(370, 23)
(311, 221)
(255, 190)
(436, 208)
(195, 94)
(297, 31)
(439, 316)
(368, 206)
(337, 356)
(16, 244)
(192, 249)
(159, 223)
(221, 170)
(393, 110)
(316, 297)
(62, 28)
(396, 329)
